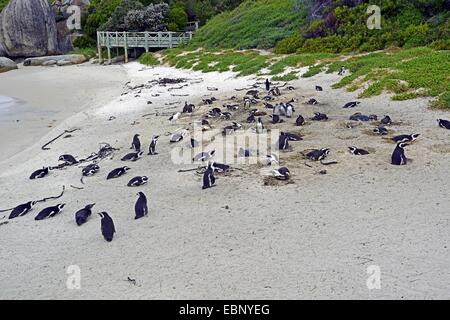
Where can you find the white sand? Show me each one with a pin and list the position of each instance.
(313, 238)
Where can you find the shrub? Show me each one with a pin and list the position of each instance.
(148, 59)
(177, 18)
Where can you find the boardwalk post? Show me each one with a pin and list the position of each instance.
(126, 46)
(99, 47)
(108, 44)
(146, 41)
(170, 39)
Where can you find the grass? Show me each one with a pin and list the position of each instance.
(287, 77)
(253, 24)
(407, 73)
(87, 52)
(148, 59)
(298, 60)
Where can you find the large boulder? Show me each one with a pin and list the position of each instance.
(7, 64)
(62, 60)
(28, 29)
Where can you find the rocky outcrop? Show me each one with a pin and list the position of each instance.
(7, 64)
(28, 29)
(62, 60)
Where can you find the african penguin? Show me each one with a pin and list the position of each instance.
(398, 156)
(319, 154)
(319, 117)
(293, 136)
(68, 159)
(260, 126)
(204, 156)
(351, 104)
(386, 120)
(208, 177)
(289, 111)
(319, 88)
(276, 119)
(116, 173)
(341, 71)
(107, 226)
(300, 120)
(140, 208)
(38, 174)
(153, 144)
(444, 123)
(81, 216)
(136, 143)
(175, 116)
(220, 167)
(90, 170)
(22, 209)
(267, 85)
(137, 181)
(312, 101)
(271, 159)
(281, 173)
(50, 212)
(283, 141)
(358, 152)
(188, 108)
(406, 137)
(134, 156)
(381, 131)
(177, 137)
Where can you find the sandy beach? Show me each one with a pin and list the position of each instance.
(311, 238)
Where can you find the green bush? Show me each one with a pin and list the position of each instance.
(177, 18)
(416, 36)
(148, 59)
(290, 44)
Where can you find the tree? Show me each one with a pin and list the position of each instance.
(177, 17)
(117, 21)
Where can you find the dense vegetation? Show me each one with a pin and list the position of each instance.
(3, 4)
(341, 26)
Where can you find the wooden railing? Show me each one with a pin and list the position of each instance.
(144, 40)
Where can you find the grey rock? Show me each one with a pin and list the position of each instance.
(7, 64)
(28, 29)
(49, 63)
(59, 60)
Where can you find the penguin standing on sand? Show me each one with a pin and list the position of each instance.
(116, 173)
(153, 144)
(81, 216)
(267, 85)
(136, 144)
(300, 120)
(259, 126)
(38, 174)
(68, 159)
(289, 111)
(141, 208)
(283, 141)
(22, 209)
(444, 123)
(398, 156)
(50, 212)
(208, 177)
(107, 225)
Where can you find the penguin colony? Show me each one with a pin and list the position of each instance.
(280, 112)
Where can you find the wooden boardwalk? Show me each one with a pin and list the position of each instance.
(146, 40)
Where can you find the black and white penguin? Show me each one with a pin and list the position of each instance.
(268, 98)
(134, 156)
(116, 173)
(312, 101)
(319, 117)
(188, 108)
(282, 173)
(226, 115)
(68, 159)
(220, 167)
(351, 104)
(341, 71)
(289, 110)
(38, 174)
(204, 156)
(153, 144)
(22, 209)
(300, 120)
(138, 181)
(283, 142)
(251, 118)
(214, 113)
(293, 136)
(90, 170)
(267, 85)
(140, 208)
(319, 88)
(282, 109)
(381, 131)
(276, 119)
(386, 120)
(259, 126)
(398, 156)
(178, 136)
(136, 143)
(50, 212)
(231, 128)
(319, 154)
(406, 137)
(175, 117)
(271, 159)
(81, 216)
(444, 123)
(358, 152)
(208, 177)
(107, 226)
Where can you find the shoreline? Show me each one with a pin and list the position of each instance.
(310, 239)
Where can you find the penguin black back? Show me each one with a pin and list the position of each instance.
(136, 144)
(81, 216)
(22, 209)
(38, 174)
(49, 212)
(208, 177)
(141, 208)
(107, 226)
(398, 156)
